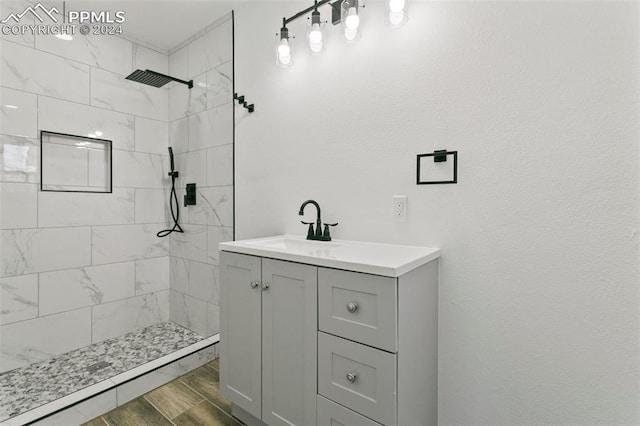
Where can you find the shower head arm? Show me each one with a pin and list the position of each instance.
(188, 83)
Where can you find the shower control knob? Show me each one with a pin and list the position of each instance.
(351, 377)
(254, 284)
(265, 286)
(352, 307)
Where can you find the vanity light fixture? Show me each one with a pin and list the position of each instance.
(345, 11)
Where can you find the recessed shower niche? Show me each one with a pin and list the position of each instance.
(71, 163)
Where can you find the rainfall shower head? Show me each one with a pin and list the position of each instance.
(155, 79)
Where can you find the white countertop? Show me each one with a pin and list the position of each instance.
(372, 258)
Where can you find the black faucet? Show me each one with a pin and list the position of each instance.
(318, 234)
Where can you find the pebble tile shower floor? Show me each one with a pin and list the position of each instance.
(29, 387)
(190, 400)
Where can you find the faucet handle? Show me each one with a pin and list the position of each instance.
(310, 232)
(326, 234)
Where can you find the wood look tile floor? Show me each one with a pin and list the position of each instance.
(190, 400)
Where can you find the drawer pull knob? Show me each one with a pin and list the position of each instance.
(265, 286)
(351, 377)
(352, 307)
(254, 284)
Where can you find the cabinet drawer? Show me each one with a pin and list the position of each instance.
(332, 414)
(359, 377)
(360, 307)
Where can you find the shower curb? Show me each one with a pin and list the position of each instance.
(94, 400)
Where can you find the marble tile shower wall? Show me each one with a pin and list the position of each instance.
(201, 134)
(78, 268)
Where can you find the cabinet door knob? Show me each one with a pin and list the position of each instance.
(254, 284)
(351, 377)
(352, 307)
(265, 286)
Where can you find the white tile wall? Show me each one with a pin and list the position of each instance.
(110, 90)
(179, 274)
(184, 101)
(62, 291)
(152, 206)
(217, 235)
(202, 281)
(192, 167)
(220, 165)
(24, 68)
(18, 205)
(179, 135)
(107, 53)
(119, 317)
(78, 209)
(219, 85)
(77, 264)
(151, 136)
(210, 50)
(145, 58)
(18, 112)
(193, 314)
(215, 207)
(55, 115)
(213, 127)
(26, 251)
(19, 159)
(18, 298)
(138, 170)
(178, 66)
(191, 245)
(119, 243)
(38, 339)
(152, 275)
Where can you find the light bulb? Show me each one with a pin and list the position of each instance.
(350, 34)
(396, 18)
(315, 36)
(284, 49)
(284, 52)
(396, 6)
(353, 20)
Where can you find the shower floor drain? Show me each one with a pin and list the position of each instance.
(98, 366)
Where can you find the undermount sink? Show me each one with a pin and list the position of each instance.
(374, 258)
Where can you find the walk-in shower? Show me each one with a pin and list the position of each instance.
(118, 311)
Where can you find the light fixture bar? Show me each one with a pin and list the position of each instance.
(312, 8)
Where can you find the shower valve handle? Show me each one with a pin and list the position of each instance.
(173, 174)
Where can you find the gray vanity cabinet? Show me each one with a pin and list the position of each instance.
(268, 358)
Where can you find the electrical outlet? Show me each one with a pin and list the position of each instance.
(400, 208)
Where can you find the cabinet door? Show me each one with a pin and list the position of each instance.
(289, 343)
(240, 369)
